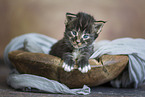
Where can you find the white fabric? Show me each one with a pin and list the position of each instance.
(134, 75)
(135, 49)
(19, 81)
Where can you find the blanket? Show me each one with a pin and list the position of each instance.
(132, 76)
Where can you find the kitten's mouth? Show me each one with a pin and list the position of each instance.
(75, 46)
(78, 45)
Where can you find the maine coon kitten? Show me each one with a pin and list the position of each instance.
(76, 46)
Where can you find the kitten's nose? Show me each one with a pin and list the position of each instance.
(78, 41)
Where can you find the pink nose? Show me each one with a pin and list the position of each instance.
(79, 44)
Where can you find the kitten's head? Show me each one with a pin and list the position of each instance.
(81, 29)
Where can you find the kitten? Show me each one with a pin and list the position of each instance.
(76, 46)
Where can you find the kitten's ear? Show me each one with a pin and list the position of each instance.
(98, 26)
(69, 17)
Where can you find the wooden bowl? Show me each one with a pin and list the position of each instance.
(109, 67)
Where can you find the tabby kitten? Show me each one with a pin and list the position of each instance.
(76, 46)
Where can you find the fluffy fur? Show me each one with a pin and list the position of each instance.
(76, 45)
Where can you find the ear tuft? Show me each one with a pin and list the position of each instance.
(69, 17)
(98, 25)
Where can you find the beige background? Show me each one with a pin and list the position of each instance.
(126, 18)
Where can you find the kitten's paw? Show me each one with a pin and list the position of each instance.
(84, 66)
(67, 67)
(85, 69)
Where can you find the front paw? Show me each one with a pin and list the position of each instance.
(84, 66)
(68, 65)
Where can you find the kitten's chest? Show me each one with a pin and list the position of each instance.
(76, 54)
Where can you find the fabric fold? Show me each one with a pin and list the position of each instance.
(135, 49)
(19, 81)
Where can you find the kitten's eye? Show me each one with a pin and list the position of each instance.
(86, 36)
(74, 33)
